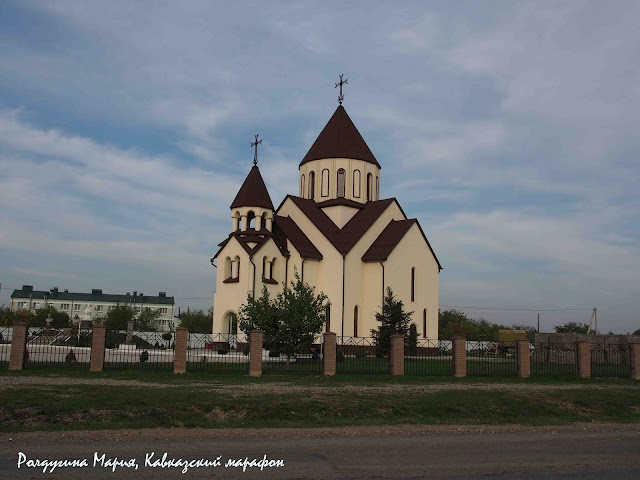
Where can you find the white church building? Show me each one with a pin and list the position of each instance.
(338, 234)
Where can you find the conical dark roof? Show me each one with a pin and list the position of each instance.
(253, 192)
(340, 139)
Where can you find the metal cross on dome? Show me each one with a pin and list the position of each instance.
(255, 153)
(341, 96)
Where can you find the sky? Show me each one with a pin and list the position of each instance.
(508, 129)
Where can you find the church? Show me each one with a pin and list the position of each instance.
(337, 233)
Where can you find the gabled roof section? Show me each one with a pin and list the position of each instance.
(253, 192)
(340, 139)
(342, 239)
(382, 247)
(297, 237)
(387, 240)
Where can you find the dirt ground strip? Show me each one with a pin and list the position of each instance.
(159, 434)
(286, 387)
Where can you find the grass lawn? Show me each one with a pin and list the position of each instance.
(230, 399)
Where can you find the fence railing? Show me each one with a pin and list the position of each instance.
(360, 355)
(310, 361)
(218, 351)
(610, 360)
(138, 350)
(5, 346)
(554, 359)
(428, 357)
(57, 348)
(491, 358)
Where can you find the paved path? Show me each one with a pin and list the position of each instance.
(590, 451)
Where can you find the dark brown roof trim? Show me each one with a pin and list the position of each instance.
(340, 201)
(387, 240)
(298, 239)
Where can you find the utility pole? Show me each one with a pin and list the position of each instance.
(538, 323)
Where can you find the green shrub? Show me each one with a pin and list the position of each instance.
(144, 356)
(223, 351)
(340, 357)
(274, 353)
(246, 349)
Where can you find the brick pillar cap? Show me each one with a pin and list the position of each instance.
(257, 331)
(396, 335)
(99, 325)
(19, 323)
(458, 337)
(329, 333)
(522, 340)
(182, 328)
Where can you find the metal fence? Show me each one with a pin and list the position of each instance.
(218, 351)
(554, 359)
(5, 346)
(491, 358)
(149, 350)
(360, 355)
(610, 360)
(428, 357)
(310, 361)
(57, 348)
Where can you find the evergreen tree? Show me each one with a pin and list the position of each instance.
(393, 320)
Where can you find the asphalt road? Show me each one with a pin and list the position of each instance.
(591, 451)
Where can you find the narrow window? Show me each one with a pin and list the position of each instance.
(355, 321)
(424, 323)
(356, 184)
(312, 185)
(327, 317)
(302, 186)
(251, 220)
(413, 284)
(274, 272)
(369, 187)
(325, 183)
(341, 182)
(377, 188)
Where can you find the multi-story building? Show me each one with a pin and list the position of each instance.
(89, 306)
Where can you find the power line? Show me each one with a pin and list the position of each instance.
(522, 309)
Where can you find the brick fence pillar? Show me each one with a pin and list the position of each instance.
(180, 353)
(329, 354)
(98, 338)
(18, 346)
(396, 356)
(255, 353)
(459, 356)
(523, 359)
(583, 359)
(634, 357)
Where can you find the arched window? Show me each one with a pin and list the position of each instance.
(327, 317)
(369, 180)
(424, 323)
(265, 273)
(341, 182)
(355, 321)
(302, 186)
(377, 188)
(325, 183)
(227, 268)
(251, 220)
(312, 185)
(273, 274)
(356, 184)
(413, 284)
(236, 262)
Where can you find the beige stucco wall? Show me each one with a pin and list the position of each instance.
(333, 165)
(340, 214)
(412, 251)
